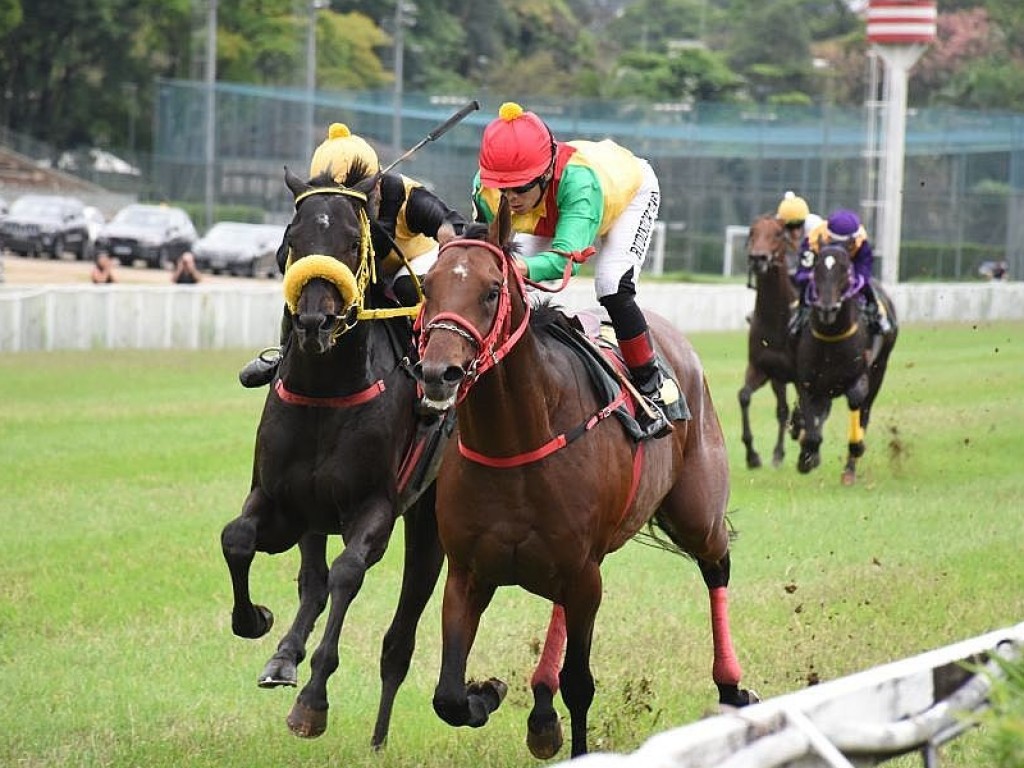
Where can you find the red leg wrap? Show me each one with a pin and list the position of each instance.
(554, 649)
(726, 669)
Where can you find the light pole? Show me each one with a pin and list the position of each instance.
(314, 6)
(403, 9)
(211, 124)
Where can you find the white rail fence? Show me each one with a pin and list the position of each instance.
(47, 317)
(913, 705)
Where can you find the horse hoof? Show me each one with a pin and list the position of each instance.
(545, 742)
(849, 477)
(492, 691)
(252, 624)
(277, 673)
(305, 722)
(754, 462)
(733, 698)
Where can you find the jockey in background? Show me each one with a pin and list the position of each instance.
(564, 197)
(843, 227)
(798, 222)
(407, 220)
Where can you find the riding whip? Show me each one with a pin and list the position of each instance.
(438, 132)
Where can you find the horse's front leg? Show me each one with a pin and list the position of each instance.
(753, 380)
(282, 668)
(544, 727)
(813, 413)
(455, 702)
(423, 561)
(856, 399)
(239, 541)
(365, 544)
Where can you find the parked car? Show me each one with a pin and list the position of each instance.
(237, 248)
(49, 225)
(156, 234)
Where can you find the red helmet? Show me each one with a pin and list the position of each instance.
(517, 148)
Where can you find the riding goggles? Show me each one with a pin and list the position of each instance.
(524, 188)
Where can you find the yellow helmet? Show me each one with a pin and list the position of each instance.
(793, 209)
(339, 151)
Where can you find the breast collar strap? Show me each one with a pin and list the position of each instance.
(342, 401)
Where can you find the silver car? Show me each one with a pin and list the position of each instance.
(239, 248)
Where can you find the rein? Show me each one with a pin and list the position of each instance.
(498, 342)
(855, 284)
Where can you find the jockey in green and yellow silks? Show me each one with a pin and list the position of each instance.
(566, 197)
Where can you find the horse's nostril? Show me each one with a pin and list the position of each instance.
(453, 374)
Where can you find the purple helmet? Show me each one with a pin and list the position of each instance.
(842, 225)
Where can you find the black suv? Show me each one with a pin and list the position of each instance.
(157, 234)
(47, 225)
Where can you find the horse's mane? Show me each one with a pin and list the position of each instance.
(543, 312)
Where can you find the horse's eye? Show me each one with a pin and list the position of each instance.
(492, 295)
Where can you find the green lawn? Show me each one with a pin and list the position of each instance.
(119, 468)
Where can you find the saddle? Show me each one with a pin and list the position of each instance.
(589, 335)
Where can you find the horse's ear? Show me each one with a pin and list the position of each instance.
(295, 184)
(501, 227)
(371, 189)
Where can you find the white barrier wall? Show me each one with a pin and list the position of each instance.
(45, 317)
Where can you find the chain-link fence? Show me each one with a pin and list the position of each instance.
(719, 165)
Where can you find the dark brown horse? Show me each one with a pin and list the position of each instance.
(331, 454)
(541, 487)
(770, 351)
(838, 357)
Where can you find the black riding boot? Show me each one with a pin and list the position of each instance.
(657, 391)
(261, 370)
(878, 320)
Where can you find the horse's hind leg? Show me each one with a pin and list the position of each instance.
(239, 541)
(726, 671)
(544, 727)
(423, 561)
(454, 701)
(365, 544)
(282, 669)
(693, 516)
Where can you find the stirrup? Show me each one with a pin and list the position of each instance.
(653, 426)
(261, 370)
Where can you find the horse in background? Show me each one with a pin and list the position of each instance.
(837, 357)
(542, 485)
(332, 453)
(770, 351)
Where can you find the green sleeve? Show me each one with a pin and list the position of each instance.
(580, 207)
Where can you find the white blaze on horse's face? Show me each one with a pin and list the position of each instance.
(460, 270)
(323, 221)
(830, 261)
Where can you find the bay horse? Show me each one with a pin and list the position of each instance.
(837, 357)
(331, 453)
(522, 501)
(770, 351)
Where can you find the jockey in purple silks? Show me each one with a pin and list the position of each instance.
(842, 226)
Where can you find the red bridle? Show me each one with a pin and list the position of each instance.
(500, 338)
